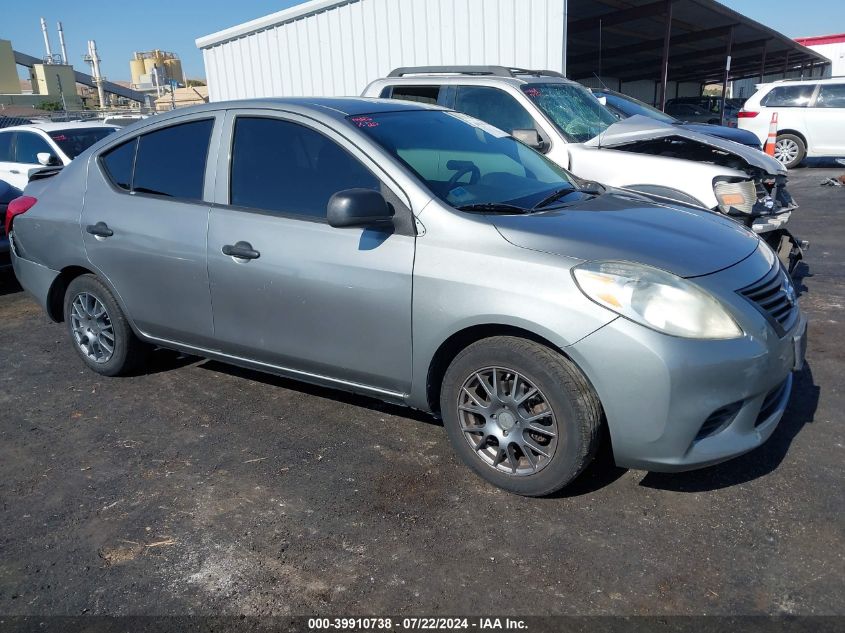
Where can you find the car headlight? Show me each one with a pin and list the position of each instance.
(656, 299)
(739, 196)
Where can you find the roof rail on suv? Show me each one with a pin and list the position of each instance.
(785, 79)
(496, 71)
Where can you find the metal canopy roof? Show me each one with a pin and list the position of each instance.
(625, 39)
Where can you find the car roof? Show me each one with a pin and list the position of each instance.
(52, 126)
(802, 82)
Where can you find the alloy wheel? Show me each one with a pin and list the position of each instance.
(508, 421)
(786, 150)
(92, 328)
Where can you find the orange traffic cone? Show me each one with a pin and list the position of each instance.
(773, 135)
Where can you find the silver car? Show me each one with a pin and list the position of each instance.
(420, 256)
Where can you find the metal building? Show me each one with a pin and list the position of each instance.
(332, 48)
(652, 49)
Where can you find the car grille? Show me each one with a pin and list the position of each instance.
(774, 296)
(770, 403)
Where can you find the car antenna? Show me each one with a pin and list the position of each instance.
(606, 88)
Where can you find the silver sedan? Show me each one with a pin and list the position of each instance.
(423, 257)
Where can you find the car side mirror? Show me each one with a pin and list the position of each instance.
(47, 159)
(358, 207)
(531, 138)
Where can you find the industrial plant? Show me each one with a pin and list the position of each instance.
(157, 81)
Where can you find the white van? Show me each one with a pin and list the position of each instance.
(811, 117)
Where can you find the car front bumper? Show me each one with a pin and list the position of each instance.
(675, 404)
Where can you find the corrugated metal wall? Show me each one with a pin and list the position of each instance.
(339, 50)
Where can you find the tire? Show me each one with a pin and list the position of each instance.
(86, 296)
(790, 150)
(566, 402)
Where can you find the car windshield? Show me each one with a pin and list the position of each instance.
(631, 107)
(573, 109)
(74, 141)
(465, 162)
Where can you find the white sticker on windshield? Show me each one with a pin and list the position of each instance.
(481, 125)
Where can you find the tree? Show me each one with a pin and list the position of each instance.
(51, 106)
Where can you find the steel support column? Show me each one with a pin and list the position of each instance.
(664, 64)
(763, 61)
(727, 74)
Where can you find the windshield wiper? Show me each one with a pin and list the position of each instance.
(555, 195)
(492, 207)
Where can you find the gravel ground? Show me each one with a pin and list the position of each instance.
(201, 488)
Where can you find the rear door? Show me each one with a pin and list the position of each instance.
(23, 155)
(316, 300)
(826, 120)
(144, 225)
(9, 170)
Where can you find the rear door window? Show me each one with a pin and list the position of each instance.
(788, 96)
(420, 94)
(288, 168)
(830, 96)
(27, 147)
(171, 161)
(493, 106)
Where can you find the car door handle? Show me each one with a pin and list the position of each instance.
(100, 229)
(241, 250)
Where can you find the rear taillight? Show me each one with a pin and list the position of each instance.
(744, 114)
(17, 206)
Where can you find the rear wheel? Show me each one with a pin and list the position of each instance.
(520, 415)
(99, 330)
(790, 150)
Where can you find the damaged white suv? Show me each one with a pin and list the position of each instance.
(562, 119)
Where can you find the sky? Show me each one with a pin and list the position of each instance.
(121, 28)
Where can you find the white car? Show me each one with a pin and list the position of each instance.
(24, 149)
(566, 122)
(811, 118)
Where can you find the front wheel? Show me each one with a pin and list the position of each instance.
(99, 330)
(790, 150)
(520, 415)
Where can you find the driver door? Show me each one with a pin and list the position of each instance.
(316, 301)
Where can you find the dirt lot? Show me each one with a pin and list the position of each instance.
(200, 488)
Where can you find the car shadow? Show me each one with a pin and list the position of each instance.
(799, 274)
(761, 461)
(161, 360)
(345, 397)
(8, 282)
(601, 472)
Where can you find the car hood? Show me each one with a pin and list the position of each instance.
(723, 131)
(685, 241)
(640, 128)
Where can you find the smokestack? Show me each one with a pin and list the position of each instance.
(46, 40)
(98, 79)
(62, 44)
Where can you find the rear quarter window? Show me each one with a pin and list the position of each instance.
(118, 162)
(788, 96)
(6, 146)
